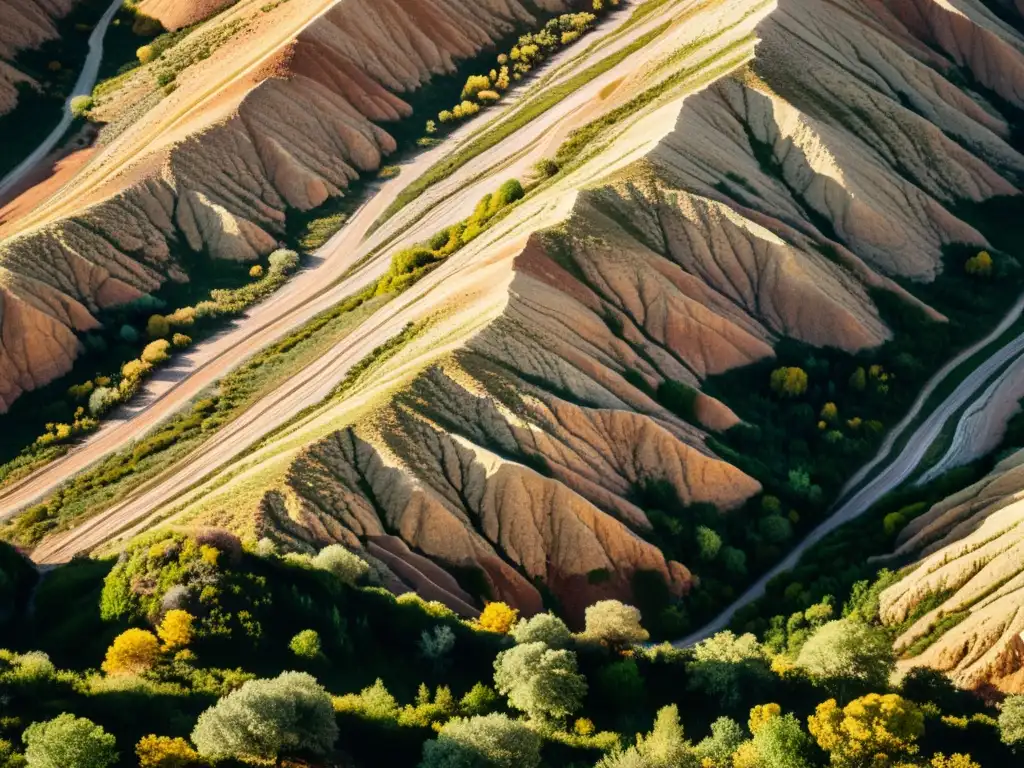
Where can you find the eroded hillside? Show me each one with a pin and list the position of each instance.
(776, 176)
(961, 604)
(284, 112)
(24, 24)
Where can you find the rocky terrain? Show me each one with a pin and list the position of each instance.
(514, 433)
(766, 167)
(290, 121)
(965, 588)
(24, 24)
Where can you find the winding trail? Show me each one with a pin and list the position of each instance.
(859, 496)
(83, 87)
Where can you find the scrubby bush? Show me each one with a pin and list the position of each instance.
(165, 752)
(177, 629)
(133, 652)
(180, 340)
(223, 541)
(346, 565)
(283, 260)
(1011, 722)
(488, 741)
(157, 327)
(102, 400)
(543, 628)
(69, 742)
(267, 719)
(497, 617)
(80, 106)
(157, 352)
(614, 624)
(306, 644)
(256, 272)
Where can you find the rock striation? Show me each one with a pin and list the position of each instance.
(291, 134)
(964, 599)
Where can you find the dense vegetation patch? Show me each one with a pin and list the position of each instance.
(191, 648)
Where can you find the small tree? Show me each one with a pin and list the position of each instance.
(498, 617)
(761, 714)
(145, 54)
(435, 645)
(789, 382)
(69, 742)
(256, 272)
(265, 719)
(488, 741)
(708, 542)
(873, 725)
(848, 649)
(614, 624)
(725, 665)
(540, 681)
(664, 747)
(543, 628)
(306, 644)
(176, 630)
(165, 752)
(1011, 722)
(180, 340)
(480, 700)
(134, 651)
(726, 737)
(780, 742)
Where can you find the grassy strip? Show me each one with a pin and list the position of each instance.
(529, 112)
(121, 473)
(126, 470)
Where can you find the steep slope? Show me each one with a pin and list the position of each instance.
(966, 592)
(762, 196)
(24, 24)
(294, 129)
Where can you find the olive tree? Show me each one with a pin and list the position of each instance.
(543, 628)
(68, 742)
(614, 623)
(267, 718)
(540, 681)
(848, 650)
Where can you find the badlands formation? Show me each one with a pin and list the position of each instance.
(24, 24)
(967, 584)
(793, 157)
(284, 114)
(769, 167)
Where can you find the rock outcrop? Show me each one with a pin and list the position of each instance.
(24, 24)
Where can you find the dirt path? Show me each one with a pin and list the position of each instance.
(312, 291)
